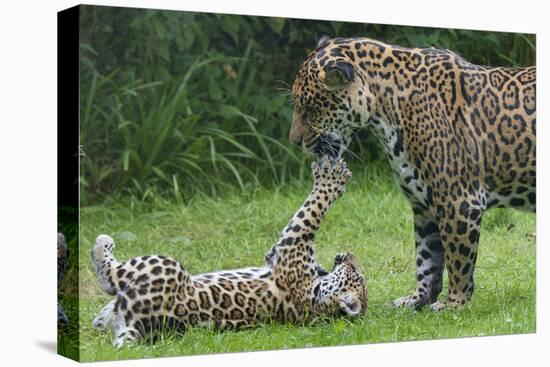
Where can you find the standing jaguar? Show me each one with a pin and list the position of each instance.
(155, 291)
(460, 138)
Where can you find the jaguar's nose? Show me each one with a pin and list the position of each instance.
(296, 131)
(297, 140)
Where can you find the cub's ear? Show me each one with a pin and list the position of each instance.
(350, 305)
(322, 38)
(337, 75)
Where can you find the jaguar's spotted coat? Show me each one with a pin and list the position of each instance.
(155, 290)
(461, 139)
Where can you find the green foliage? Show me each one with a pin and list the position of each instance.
(187, 103)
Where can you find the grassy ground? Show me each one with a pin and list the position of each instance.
(372, 219)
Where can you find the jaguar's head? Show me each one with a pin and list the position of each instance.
(343, 291)
(330, 99)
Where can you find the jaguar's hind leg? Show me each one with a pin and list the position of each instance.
(461, 225)
(429, 261)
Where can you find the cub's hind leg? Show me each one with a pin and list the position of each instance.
(125, 334)
(152, 302)
(122, 322)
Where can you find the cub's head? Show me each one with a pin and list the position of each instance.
(329, 97)
(343, 291)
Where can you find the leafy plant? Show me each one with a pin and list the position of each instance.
(189, 103)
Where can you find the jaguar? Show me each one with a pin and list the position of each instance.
(460, 139)
(156, 292)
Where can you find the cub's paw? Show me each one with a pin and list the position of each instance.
(330, 176)
(103, 247)
(412, 301)
(125, 336)
(437, 306)
(105, 317)
(445, 305)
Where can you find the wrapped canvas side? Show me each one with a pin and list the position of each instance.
(68, 337)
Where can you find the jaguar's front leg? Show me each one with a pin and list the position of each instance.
(429, 261)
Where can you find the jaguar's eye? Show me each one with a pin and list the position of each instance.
(308, 113)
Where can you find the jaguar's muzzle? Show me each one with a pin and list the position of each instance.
(328, 145)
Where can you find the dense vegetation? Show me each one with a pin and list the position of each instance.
(192, 103)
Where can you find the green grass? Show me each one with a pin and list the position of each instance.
(373, 220)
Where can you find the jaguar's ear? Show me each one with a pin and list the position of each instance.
(337, 75)
(322, 38)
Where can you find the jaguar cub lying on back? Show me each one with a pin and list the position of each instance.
(155, 291)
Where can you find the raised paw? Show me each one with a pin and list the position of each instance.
(330, 176)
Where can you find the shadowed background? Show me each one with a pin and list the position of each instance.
(182, 103)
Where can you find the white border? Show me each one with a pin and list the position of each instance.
(28, 180)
